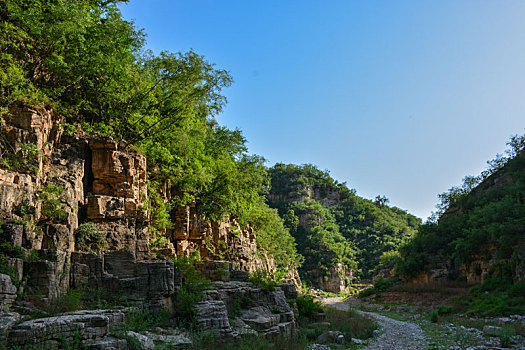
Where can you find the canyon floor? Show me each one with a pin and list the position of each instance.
(405, 327)
(395, 334)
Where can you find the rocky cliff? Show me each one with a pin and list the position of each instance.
(74, 215)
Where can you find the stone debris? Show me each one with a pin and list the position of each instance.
(358, 341)
(318, 347)
(492, 331)
(176, 339)
(109, 343)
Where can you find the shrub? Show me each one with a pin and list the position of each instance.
(505, 336)
(263, 280)
(434, 316)
(496, 297)
(69, 301)
(367, 292)
(6, 269)
(23, 160)
(88, 238)
(9, 250)
(191, 292)
(52, 208)
(142, 319)
(444, 310)
(351, 324)
(307, 306)
(383, 284)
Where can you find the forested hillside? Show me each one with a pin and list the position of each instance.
(88, 67)
(479, 230)
(332, 225)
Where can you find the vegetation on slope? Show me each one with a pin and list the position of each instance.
(336, 225)
(484, 216)
(83, 61)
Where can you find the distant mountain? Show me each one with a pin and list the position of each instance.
(340, 234)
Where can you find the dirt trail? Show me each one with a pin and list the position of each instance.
(395, 334)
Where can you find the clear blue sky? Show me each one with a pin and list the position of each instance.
(398, 98)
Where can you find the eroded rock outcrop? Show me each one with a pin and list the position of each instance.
(251, 309)
(51, 183)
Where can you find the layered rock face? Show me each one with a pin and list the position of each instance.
(147, 283)
(117, 196)
(51, 183)
(235, 306)
(84, 329)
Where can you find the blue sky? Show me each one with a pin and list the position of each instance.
(398, 98)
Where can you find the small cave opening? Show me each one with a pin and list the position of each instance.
(87, 183)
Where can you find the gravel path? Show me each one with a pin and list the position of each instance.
(395, 334)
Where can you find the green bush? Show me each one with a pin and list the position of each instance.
(496, 297)
(142, 319)
(88, 238)
(69, 301)
(505, 336)
(383, 284)
(23, 160)
(367, 292)
(12, 251)
(351, 324)
(307, 306)
(444, 310)
(6, 269)
(263, 280)
(191, 292)
(52, 208)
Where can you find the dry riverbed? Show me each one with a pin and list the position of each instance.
(412, 330)
(394, 334)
